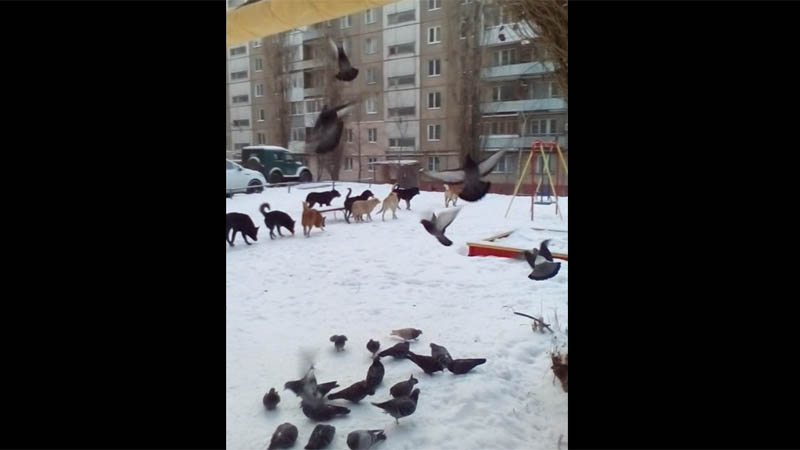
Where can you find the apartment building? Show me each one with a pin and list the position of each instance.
(410, 57)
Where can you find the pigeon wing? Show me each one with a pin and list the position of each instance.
(544, 271)
(487, 165)
(448, 176)
(544, 251)
(445, 218)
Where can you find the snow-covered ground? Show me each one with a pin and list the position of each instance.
(287, 296)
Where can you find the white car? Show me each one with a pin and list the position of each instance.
(238, 179)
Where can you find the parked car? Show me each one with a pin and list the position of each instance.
(238, 179)
(277, 164)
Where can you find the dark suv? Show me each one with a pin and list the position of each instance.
(276, 163)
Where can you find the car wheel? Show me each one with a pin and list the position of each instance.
(305, 177)
(254, 186)
(275, 177)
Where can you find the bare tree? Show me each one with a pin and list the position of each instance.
(466, 31)
(278, 57)
(548, 21)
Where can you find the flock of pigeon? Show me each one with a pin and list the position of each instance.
(327, 133)
(402, 404)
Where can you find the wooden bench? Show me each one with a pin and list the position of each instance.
(333, 210)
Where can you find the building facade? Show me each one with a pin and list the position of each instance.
(413, 58)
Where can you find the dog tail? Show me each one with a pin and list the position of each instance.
(348, 193)
(264, 206)
(446, 187)
(305, 206)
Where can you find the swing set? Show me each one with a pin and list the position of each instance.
(540, 146)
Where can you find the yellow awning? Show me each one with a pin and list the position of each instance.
(267, 17)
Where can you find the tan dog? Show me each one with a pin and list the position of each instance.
(451, 195)
(390, 202)
(361, 207)
(311, 218)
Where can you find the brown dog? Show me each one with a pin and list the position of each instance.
(311, 218)
(451, 195)
(390, 202)
(361, 207)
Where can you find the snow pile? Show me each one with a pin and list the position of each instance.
(287, 296)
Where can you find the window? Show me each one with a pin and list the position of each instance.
(404, 16)
(297, 108)
(371, 46)
(400, 49)
(502, 93)
(349, 135)
(504, 165)
(371, 105)
(434, 4)
(402, 111)
(504, 57)
(372, 135)
(229, 165)
(371, 166)
(506, 127)
(298, 134)
(240, 99)
(348, 164)
(260, 115)
(402, 80)
(544, 126)
(434, 35)
(239, 50)
(259, 90)
(346, 21)
(372, 75)
(433, 163)
(261, 138)
(369, 16)
(313, 106)
(434, 100)
(241, 123)
(401, 142)
(434, 67)
(239, 75)
(555, 90)
(256, 44)
(259, 65)
(463, 29)
(434, 132)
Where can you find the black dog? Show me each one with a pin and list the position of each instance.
(240, 223)
(276, 219)
(323, 198)
(405, 194)
(348, 202)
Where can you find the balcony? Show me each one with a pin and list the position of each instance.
(302, 65)
(514, 71)
(491, 35)
(312, 33)
(512, 141)
(312, 92)
(539, 104)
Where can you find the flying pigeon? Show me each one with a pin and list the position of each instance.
(407, 333)
(374, 375)
(327, 131)
(403, 388)
(440, 354)
(321, 437)
(324, 388)
(400, 407)
(428, 364)
(284, 436)
(462, 366)
(474, 189)
(346, 71)
(322, 412)
(354, 393)
(305, 387)
(438, 225)
(271, 399)
(541, 261)
(373, 346)
(364, 439)
(396, 351)
(338, 341)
